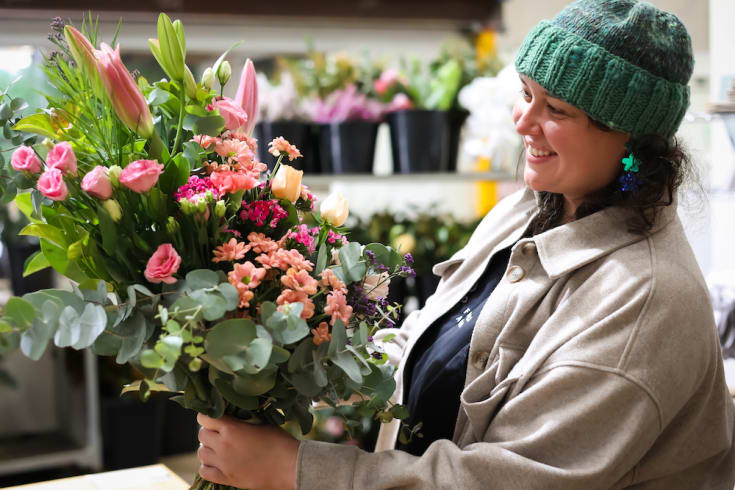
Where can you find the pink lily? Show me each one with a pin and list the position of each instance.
(247, 95)
(124, 94)
(81, 50)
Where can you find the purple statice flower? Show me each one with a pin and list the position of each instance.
(195, 188)
(408, 258)
(359, 301)
(407, 270)
(371, 256)
(377, 355)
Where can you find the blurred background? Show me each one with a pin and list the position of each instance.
(337, 79)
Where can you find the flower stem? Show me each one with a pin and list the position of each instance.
(177, 141)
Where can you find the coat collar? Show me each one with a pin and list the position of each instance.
(573, 245)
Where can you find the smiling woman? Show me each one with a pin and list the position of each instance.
(571, 343)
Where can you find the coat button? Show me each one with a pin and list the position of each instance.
(479, 358)
(515, 273)
(528, 248)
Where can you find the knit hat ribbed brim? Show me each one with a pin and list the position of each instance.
(591, 57)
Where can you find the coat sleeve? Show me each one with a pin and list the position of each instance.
(573, 427)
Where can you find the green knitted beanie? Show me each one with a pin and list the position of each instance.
(624, 62)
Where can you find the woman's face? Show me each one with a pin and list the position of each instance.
(565, 153)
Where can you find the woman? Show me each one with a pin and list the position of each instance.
(571, 344)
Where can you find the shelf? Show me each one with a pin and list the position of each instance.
(39, 451)
(319, 180)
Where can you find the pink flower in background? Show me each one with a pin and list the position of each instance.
(233, 114)
(24, 159)
(141, 175)
(51, 184)
(247, 95)
(330, 279)
(281, 145)
(305, 236)
(346, 105)
(245, 277)
(163, 264)
(259, 243)
(337, 307)
(400, 102)
(387, 78)
(206, 141)
(123, 93)
(234, 149)
(62, 157)
(195, 188)
(97, 183)
(229, 251)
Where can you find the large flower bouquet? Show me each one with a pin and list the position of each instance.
(189, 259)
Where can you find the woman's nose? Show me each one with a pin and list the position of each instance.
(525, 118)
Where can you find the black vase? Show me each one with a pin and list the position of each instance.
(457, 117)
(420, 140)
(347, 147)
(301, 134)
(17, 255)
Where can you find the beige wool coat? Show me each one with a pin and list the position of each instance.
(594, 364)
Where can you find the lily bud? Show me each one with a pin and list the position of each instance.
(113, 208)
(287, 183)
(224, 72)
(208, 78)
(190, 85)
(114, 174)
(123, 93)
(171, 49)
(335, 209)
(82, 51)
(172, 226)
(247, 95)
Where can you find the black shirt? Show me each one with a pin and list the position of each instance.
(437, 365)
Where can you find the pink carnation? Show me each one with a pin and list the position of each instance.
(24, 159)
(62, 156)
(97, 183)
(51, 184)
(141, 175)
(229, 251)
(289, 296)
(228, 182)
(281, 145)
(337, 307)
(246, 277)
(299, 280)
(163, 264)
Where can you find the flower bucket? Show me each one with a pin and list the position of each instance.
(298, 133)
(347, 147)
(420, 140)
(457, 117)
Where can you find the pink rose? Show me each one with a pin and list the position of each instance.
(97, 183)
(62, 157)
(163, 264)
(24, 159)
(51, 184)
(141, 175)
(234, 115)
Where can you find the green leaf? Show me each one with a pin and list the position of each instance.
(279, 355)
(133, 333)
(169, 348)
(175, 174)
(301, 356)
(50, 233)
(214, 306)
(228, 393)
(255, 384)
(346, 362)
(158, 97)
(35, 263)
(257, 355)
(92, 323)
(9, 342)
(151, 359)
(186, 308)
(211, 125)
(339, 338)
(229, 292)
(350, 260)
(38, 124)
(18, 104)
(320, 374)
(20, 312)
(304, 384)
(33, 341)
(24, 203)
(60, 262)
(5, 327)
(321, 259)
(201, 279)
(69, 330)
(229, 337)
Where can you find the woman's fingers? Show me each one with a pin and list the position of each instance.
(207, 456)
(208, 437)
(209, 422)
(213, 474)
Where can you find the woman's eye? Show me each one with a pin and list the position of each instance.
(525, 94)
(554, 110)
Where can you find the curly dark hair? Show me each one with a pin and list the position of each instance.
(665, 165)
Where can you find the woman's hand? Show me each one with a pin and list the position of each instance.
(243, 455)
